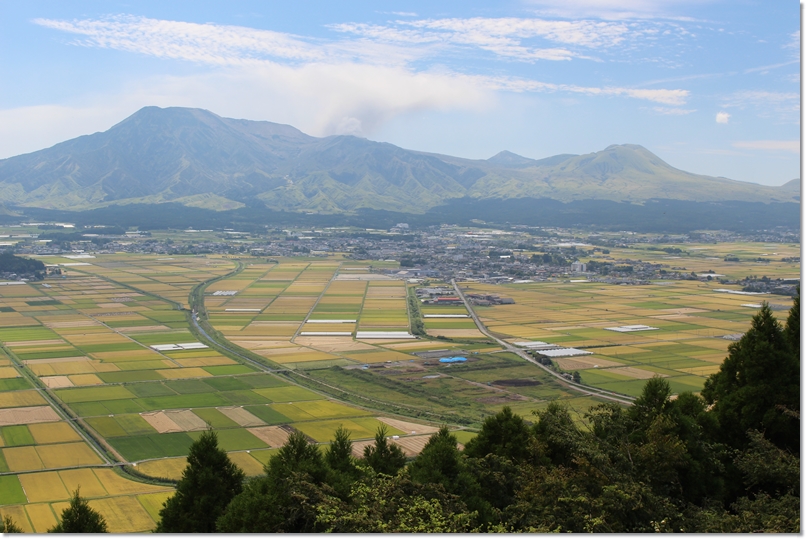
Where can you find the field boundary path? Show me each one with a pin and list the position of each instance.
(75, 422)
(590, 391)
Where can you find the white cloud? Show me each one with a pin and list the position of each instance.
(383, 47)
(666, 97)
(615, 9)
(784, 105)
(673, 111)
(353, 85)
(319, 99)
(792, 146)
(219, 45)
(722, 117)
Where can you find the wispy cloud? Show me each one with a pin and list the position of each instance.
(522, 39)
(785, 105)
(616, 9)
(667, 97)
(673, 111)
(792, 146)
(373, 45)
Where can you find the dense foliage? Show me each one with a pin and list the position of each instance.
(208, 484)
(728, 461)
(79, 517)
(10, 263)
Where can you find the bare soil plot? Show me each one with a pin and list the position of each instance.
(27, 415)
(578, 364)
(161, 422)
(242, 417)
(334, 344)
(274, 436)
(411, 445)
(57, 381)
(407, 426)
(186, 420)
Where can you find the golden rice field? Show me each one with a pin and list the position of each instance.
(691, 318)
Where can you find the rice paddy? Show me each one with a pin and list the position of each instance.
(101, 343)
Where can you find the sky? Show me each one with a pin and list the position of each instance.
(710, 86)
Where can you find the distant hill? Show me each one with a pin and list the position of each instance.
(198, 159)
(792, 186)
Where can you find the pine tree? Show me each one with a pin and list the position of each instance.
(208, 484)
(758, 383)
(7, 525)
(505, 434)
(79, 517)
(384, 457)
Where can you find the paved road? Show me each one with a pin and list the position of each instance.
(590, 391)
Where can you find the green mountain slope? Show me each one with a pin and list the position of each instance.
(197, 158)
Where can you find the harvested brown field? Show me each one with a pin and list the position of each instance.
(333, 344)
(186, 420)
(241, 416)
(408, 427)
(578, 364)
(27, 415)
(161, 422)
(274, 436)
(411, 445)
(57, 381)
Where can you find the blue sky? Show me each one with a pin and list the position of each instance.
(710, 86)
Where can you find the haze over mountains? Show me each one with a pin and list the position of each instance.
(196, 158)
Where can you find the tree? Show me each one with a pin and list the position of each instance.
(793, 325)
(441, 463)
(384, 457)
(79, 517)
(7, 525)
(342, 469)
(385, 504)
(505, 434)
(285, 499)
(210, 481)
(758, 383)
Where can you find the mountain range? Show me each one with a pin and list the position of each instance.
(196, 158)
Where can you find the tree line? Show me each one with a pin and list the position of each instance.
(725, 461)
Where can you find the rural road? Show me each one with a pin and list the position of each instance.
(593, 392)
